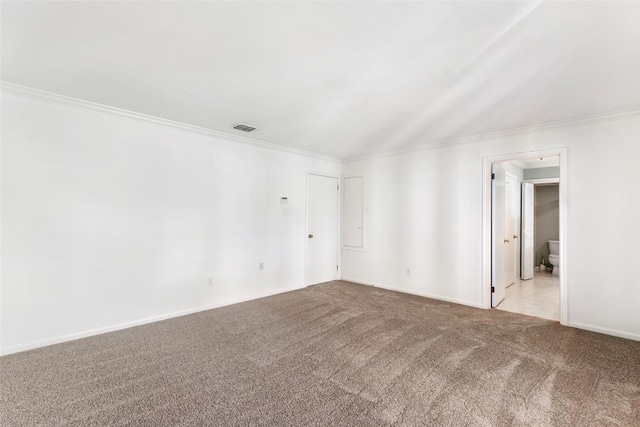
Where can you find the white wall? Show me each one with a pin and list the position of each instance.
(538, 173)
(109, 221)
(424, 211)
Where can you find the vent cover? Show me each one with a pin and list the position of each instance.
(244, 128)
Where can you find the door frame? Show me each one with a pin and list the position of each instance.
(535, 182)
(306, 221)
(486, 222)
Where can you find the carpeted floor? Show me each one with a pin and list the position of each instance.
(331, 354)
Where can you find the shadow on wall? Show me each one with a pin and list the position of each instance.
(547, 219)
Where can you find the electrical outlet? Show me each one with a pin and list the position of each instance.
(210, 283)
(261, 266)
(408, 271)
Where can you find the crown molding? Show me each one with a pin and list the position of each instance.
(41, 95)
(615, 115)
(28, 92)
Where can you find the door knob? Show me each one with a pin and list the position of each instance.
(506, 241)
(515, 237)
(311, 236)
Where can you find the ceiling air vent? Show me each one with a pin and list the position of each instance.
(244, 128)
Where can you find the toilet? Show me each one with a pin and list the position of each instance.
(554, 255)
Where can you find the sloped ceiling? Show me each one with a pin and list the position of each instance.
(344, 79)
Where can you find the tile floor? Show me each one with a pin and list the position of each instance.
(538, 297)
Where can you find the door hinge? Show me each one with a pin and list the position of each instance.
(493, 176)
(336, 267)
(338, 187)
(493, 289)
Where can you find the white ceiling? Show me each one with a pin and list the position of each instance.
(345, 79)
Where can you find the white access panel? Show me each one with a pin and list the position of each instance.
(353, 212)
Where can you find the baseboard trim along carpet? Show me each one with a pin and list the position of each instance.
(133, 323)
(420, 294)
(333, 354)
(606, 331)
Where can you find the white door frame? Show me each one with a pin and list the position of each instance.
(486, 222)
(535, 182)
(306, 222)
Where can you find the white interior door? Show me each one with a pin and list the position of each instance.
(322, 229)
(511, 228)
(498, 251)
(526, 251)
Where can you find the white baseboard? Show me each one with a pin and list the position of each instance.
(420, 294)
(113, 328)
(606, 331)
(120, 326)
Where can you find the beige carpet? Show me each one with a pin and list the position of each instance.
(332, 354)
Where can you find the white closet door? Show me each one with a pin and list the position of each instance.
(322, 229)
(499, 270)
(527, 233)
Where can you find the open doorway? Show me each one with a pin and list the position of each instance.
(536, 290)
(524, 234)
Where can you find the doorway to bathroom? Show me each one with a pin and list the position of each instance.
(536, 290)
(524, 211)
